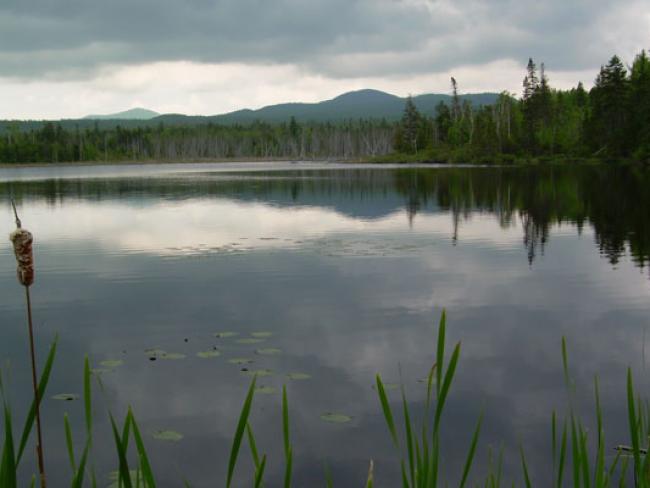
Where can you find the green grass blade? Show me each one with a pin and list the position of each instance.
(409, 438)
(472, 451)
(42, 386)
(259, 472)
(634, 432)
(432, 371)
(78, 479)
(88, 399)
(239, 433)
(565, 364)
(599, 474)
(562, 459)
(253, 446)
(575, 452)
(440, 352)
(126, 430)
(288, 452)
(288, 467)
(584, 457)
(525, 469)
(329, 482)
(444, 389)
(8, 466)
(388, 414)
(434, 462)
(68, 442)
(371, 475)
(405, 480)
(124, 476)
(285, 421)
(499, 467)
(145, 465)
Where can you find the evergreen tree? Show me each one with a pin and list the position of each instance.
(455, 101)
(609, 101)
(640, 106)
(410, 126)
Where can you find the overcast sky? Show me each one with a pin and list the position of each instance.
(69, 58)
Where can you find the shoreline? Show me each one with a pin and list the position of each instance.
(172, 161)
(394, 159)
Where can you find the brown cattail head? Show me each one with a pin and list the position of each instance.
(22, 240)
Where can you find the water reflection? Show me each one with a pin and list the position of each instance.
(349, 269)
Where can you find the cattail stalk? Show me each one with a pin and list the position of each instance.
(22, 241)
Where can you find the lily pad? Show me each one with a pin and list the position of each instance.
(167, 435)
(258, 372)
(250, 340)
(172, 355)
(262, 334)
(66, 397)
(298, 376)
(208, 354)
(265, 390)
(225, 335)
(336, 418)
(240, 361)
(98, 371)
(111, 363)
(113, 476)
(155, 351)
(269, 351)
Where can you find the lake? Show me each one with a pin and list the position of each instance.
(337, 273)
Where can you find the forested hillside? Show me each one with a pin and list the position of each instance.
(609, 122)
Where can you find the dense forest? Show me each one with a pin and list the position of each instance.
(611, 121)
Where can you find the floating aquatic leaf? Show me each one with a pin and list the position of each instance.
(265, 390)
(269, 351)
(240, 361)
(249, 340)
(298, 376)
(172, 355)
(336, 418)
(112, 363)
(258, 372)
(167, 435)
(262, 334)
(208, 354)
(155, 351)
(225, 335)
(100, 370)
(113, 476)
(66, 397)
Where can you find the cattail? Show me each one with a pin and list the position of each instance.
(22, 240)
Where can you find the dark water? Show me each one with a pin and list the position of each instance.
(348, 269)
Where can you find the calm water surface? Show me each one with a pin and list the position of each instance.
(347, 269)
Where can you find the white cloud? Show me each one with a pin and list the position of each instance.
(209, 89)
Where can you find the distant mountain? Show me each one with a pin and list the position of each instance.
(362, 104)
(132, 114)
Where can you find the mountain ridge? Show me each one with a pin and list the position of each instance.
(137, 113)
(354, 105)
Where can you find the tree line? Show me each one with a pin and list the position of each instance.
(610, 121)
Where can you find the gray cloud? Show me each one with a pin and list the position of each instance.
(337, 38)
